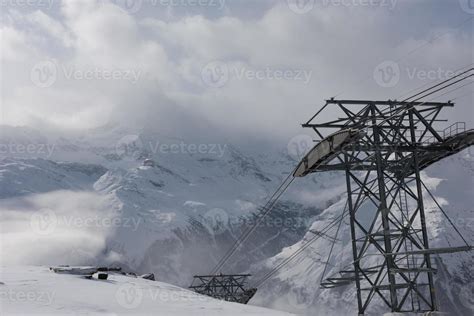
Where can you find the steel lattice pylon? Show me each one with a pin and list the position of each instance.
(227, 287)
(382, 146)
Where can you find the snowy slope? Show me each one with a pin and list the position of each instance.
(31, 290)
(296, 286)
(26, 176)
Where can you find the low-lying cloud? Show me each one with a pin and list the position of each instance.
(61, 227)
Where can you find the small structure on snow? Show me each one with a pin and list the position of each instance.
(148, 276)
(229, 287)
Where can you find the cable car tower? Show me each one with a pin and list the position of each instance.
(229, 288)
(382, 146)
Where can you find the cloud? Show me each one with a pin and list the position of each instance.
(260, 75)
(50, 26)
(61, 227)
(14, 44)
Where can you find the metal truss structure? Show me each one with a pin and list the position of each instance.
(382, 146)
(227, 287)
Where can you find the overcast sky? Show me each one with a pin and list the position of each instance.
(246, 67)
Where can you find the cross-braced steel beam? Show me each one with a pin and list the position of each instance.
(227, 287)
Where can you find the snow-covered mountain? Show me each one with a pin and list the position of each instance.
(296, 287)
(174, 217)
(23, 177)
(173, 205)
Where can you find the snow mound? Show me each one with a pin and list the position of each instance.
(38, 291)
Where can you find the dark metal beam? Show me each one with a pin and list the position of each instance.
(388, 102)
